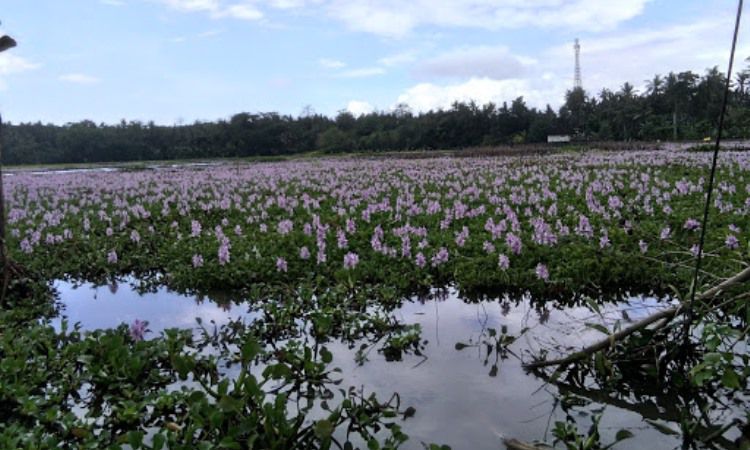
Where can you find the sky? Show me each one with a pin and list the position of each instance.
(178, 61)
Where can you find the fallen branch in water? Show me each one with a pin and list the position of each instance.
(515, 444)
(666, 315)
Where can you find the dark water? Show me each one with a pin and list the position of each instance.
(458, 402)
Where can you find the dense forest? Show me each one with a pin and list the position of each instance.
(678, 106)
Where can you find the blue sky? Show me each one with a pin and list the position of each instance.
(183, 60)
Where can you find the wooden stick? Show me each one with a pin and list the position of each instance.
(666, 314)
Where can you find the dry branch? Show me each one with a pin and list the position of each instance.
(666, 314)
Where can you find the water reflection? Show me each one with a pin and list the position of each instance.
(461, 400)
(107, 306)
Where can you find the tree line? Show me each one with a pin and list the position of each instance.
(678, 106)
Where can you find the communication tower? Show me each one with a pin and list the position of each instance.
(577, 83)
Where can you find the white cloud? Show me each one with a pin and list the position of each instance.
(363, 72)
(287, 4)
(243, 11)
(79, 78)
(397, 59)
(359, 108)
(483, 61)
(217, 9)
(429, 96)
(395, 18)
(10, 64)
(193, 5)
(607, 62)
(331, 63)
(209, 33)
(637, 55)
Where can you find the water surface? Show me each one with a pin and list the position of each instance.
(460, 400)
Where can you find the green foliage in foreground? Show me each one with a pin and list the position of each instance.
(226, 388)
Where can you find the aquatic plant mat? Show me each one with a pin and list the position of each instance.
(301, 304)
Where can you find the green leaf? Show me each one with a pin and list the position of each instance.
(250, 349)
(662, 428)
(158, 441)
(323, 429)
(598, 327)
(623, 434)
(730, 379)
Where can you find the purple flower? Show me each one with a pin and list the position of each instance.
(503, 262)
(488, 247)
(665, 232)
(26, 246)
(514, 243)
(604, 241)
(691, 224)
(284, 227)
(584, 227)
(112, 257)
(732, 242)
(135, 236)
(694, 249)
(197, 261)
(420, 260)
(351, 260)
(304, 253)
(341, 240)
(734, 228)
(351, 226)
(223, 253)
(281, 265)
(542, 272)
(195, 228)
(440, 257)
(643, 246)
(138, 329)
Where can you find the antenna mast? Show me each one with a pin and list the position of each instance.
(577, 83)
